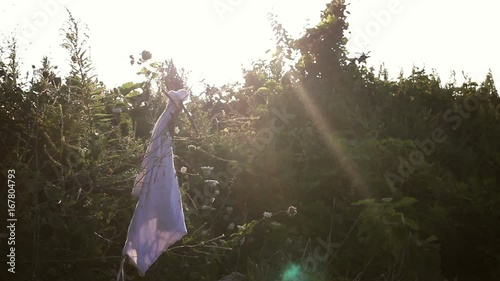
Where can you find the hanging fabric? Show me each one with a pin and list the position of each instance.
(158, 220)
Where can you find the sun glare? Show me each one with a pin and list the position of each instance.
(327, 131)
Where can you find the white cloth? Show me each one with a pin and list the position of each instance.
(158, 220)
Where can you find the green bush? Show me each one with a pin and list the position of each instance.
(323, 133)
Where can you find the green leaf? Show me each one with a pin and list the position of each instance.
(431, 239)
(106, 119)
(262, 90)
(364, 202)
(103, 115)
(127, 85)
(387, 200)
(412, 224)
(132, 94)
(127, 88)
(97, 91)
(405, 202)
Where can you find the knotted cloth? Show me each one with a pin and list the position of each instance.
(158, 220)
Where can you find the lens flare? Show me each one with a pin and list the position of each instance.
(292, 273)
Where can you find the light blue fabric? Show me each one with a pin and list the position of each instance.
(158, 220)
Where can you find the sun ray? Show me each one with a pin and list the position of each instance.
(330, 138)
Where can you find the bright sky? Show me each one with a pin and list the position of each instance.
(213, 38)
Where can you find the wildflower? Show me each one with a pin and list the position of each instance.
(268, 215)
(207, 170)
(183, 170)
(229, 210)
(211, 183)
(230, 226)
(217, 192)
(291, 211)
(177, 130)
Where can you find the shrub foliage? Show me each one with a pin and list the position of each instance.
(391, 179)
